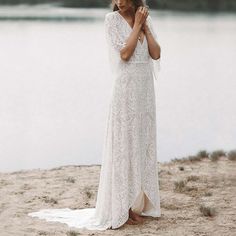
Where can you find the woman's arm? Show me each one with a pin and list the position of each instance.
(131, 43)
(153, 46)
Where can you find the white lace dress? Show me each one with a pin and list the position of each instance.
(129, 171)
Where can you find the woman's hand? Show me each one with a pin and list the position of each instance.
(140, 16)
(145, 27)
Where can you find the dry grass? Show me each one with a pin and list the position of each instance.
(72, 233)
(49, 200)
(70, 180)
(203, 154)
(215, 155)
(171, 206)
(181, 160)
(41, 232)
(189, 200)
(193, 178)
(208, 194)
(207, 210)
(179, 186)
(88, 192)
(191, 191)
(194, 158)
(232, 155)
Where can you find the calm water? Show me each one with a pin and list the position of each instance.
(55, 86)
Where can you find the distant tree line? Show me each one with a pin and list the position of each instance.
(184, 5)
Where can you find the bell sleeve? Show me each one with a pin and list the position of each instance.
(113, 36)
(115, 41)
(155, 64)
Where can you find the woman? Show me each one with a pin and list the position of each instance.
(128, 187)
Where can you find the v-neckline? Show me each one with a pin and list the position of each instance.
(131, 27)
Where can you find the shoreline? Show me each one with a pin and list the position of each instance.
(197, 198)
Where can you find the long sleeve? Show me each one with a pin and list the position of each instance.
(155, 63)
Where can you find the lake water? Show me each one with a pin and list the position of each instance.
(55, 85)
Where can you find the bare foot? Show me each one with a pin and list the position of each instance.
(131, 222)
(136, 217)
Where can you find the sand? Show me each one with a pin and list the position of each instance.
(207, 183)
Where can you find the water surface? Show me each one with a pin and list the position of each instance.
(55, 86)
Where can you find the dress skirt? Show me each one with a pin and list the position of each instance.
(129, 174)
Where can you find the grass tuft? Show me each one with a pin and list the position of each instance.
(72, 233)
(215, 155)
(193, 178)
(88, 192)
(208, 194)
(203, 154)
(232, 155)
(207, 210)
(179, 186)
(181, 160)
(70, 180)
(194, 158)
(50, 200)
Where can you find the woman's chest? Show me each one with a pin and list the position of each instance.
(141, 53)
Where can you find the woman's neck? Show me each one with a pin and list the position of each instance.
(130, 12)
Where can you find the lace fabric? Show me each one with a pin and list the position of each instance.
(117, 31)
(129, 171)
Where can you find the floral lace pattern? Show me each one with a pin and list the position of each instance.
(129, 163)
(116, 25)
(129, 158)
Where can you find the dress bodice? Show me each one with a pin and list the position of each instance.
(141, 54)
(117, 31)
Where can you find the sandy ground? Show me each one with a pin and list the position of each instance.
(207, 183)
